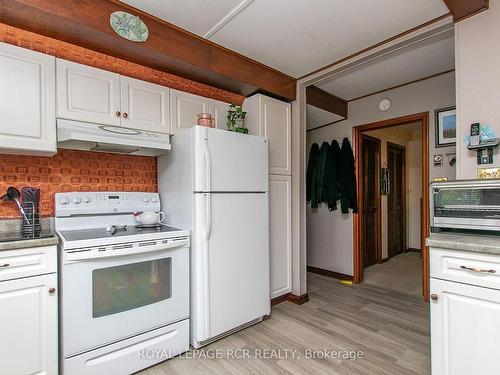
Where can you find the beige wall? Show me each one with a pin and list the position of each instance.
(329, 234)
(477, 60)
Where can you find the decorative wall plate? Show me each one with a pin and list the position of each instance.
(129, 26)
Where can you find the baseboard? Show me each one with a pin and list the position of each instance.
(383, 260)
(411, 249)
(279, 299)
(298, 300)
(333, 274)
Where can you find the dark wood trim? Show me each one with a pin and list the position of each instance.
(377, 193)
(405, 207)
(328, 102)
(322, 126)
(462, 9)
(298, 300)
(385, 260)
(403, 84)
(169, 48)
(423, 118)
(413, 250)
(277, 300)
(425, 24)
(332, 274)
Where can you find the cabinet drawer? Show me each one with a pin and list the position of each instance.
(465, 267)
(27, 262)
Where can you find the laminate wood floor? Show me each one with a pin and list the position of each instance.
(390, 328)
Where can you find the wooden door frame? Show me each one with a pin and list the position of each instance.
(378, 200)
(423, 118)
(405, 207)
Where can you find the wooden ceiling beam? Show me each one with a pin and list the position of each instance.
(324, 100)
(169, 48)
(461, 9)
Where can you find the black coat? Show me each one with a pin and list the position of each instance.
(310, 174)
(347, 179)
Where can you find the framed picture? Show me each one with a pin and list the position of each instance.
(446, 127)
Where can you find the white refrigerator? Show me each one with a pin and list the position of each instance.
(215, 183)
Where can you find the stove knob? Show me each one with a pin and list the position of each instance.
(64, 201)
(145, 199)
(86, 200)
(77, 200)
(154, 199)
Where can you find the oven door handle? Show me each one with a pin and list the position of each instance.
(126, 249)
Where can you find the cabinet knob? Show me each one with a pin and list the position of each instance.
(52, 291)
(125, 115)
(118, 113)
(434, 297)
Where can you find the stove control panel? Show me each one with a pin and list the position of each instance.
(91, 203)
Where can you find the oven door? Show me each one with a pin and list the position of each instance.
(114, 297)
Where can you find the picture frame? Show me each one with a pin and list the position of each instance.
(446, 127)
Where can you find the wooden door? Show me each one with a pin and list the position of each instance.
(370, 200)
(87, 94)
(396, 200)
(29, 325)
(27, 93)
(145, 105)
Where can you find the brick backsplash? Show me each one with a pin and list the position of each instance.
(71, 170)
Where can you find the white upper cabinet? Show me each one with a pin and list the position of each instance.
(144, 105)
(27, 102)
(219, 111)
(87, 94)
(271, 118)
(184, 109)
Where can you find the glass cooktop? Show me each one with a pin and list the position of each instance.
(98, 233)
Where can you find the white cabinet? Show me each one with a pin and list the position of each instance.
(271, 118)
(184, 109)
(280, 225)
(28, 316)
(465, 311)
(144, 105)
(93, 95)
(219, 111)
(27, 102)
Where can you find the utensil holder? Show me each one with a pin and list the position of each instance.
(34, 228)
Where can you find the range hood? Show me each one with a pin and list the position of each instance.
(85, 136)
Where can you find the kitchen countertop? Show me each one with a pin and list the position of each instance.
(10, 231)
(28, 242)
(465, 242)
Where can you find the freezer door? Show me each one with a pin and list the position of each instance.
(230, 262)
(230, 162)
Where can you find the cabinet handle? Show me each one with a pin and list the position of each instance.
(434, 297)
(478, 270)
(118, 113)
(125, 115)
(52, 291)
(4, 265)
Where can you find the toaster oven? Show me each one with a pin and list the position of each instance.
(465, 205)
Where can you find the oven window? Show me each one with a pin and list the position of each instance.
(121, 288)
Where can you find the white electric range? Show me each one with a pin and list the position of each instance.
(124, 289)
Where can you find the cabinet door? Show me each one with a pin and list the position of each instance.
(276, 125)
(27, 102)
(280, 244)
(144, 105)
(87, 94)
(184, 109)
(219, 111)
(465, 327)
(29, 326)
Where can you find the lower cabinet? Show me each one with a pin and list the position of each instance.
(28, 328)
(280, 224)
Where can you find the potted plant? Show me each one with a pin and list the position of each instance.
(236, 119)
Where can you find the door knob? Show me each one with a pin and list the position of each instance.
(434, 297)
(118, 113)
(52, 291)
(125, 115)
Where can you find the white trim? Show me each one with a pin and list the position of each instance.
(227, 18)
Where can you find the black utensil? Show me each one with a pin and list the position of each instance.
(13, 195)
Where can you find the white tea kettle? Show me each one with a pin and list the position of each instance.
(149, 217)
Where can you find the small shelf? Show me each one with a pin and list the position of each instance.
(485, 144)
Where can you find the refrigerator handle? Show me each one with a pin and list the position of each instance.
(208, 208)
(206, 152)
